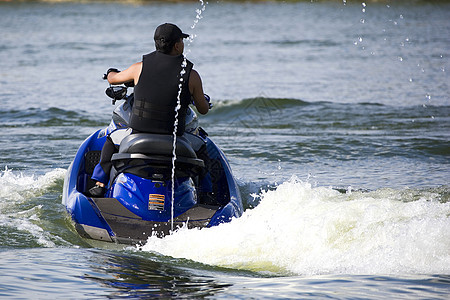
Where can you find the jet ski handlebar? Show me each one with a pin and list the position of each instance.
(116, 92)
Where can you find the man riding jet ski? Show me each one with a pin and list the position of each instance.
(159, 80)
(125, 182)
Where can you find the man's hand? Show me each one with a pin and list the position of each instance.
(105, 76)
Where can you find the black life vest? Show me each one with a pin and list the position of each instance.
(155, 95)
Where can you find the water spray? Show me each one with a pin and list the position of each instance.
(177, 108)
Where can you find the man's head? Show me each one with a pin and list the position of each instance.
(166, 36)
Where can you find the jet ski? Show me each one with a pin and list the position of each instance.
(146, 196)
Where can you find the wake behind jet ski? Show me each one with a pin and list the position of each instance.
(138, 199)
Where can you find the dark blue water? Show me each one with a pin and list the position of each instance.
(335, 118)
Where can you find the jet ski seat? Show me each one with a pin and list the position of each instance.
(156, 151)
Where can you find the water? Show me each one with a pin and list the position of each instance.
(335, 118)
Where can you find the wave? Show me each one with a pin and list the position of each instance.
(291, 228)
(364, 128)
(229, 110)
(287, 109)
(24, 211)
(305, 230)
(225, 105)
(16, 188)
(262, 104)
(38, 117)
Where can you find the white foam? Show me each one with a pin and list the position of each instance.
(17, 188)
(304, 230)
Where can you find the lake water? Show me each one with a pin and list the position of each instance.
(335, 117)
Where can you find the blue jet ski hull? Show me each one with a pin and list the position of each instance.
(135, 208)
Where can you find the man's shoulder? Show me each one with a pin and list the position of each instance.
(194, 78)
(194, 73)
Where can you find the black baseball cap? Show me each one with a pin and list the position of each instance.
(169, 33)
